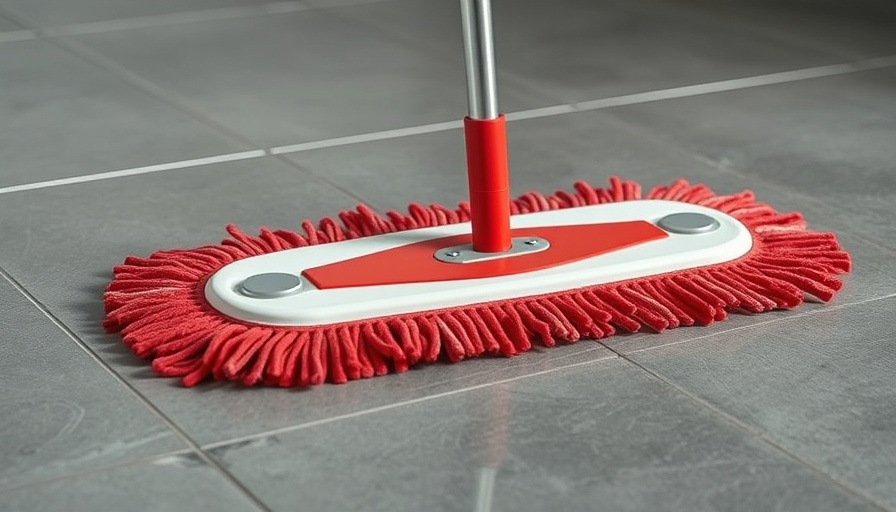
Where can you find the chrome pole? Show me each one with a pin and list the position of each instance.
(482, 89)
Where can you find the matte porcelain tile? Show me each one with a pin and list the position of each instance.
(96, 225)
(829, 140)
(601, 435)
(64, 117)
(339, 3)
(581, 50)
(62, 242)
(546, 154)
(819, 387)
(238, 412)
(268, 77)
(7, 25)
(849, 30)
(51, 13)
(178, 482)
(60, 412)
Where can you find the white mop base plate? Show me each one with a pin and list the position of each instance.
(312, 306)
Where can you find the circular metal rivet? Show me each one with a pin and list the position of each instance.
(532, 242)
(271, 285)
(688, 223)
(452, 254)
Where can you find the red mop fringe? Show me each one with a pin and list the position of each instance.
(158, 306)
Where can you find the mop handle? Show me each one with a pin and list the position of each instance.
(485, 134)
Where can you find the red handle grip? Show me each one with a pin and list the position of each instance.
(489, 181)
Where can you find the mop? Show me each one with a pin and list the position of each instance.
(367, 294)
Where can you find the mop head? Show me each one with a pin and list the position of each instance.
(159, 307)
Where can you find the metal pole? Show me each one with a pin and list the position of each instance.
(485, 135)
(482, 90)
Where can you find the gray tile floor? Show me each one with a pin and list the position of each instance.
(129, 126)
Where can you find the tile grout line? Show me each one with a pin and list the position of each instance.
(373, 410)
(367, 137)
(755, 432)
(172, 426)
(168, 19)
(404, 403)
(549, 111)
(122, 72)
(201, 451)
(646, 132)
(750, 82)
(649, 134)
(681, 92)
(157, 20)
(148, 169)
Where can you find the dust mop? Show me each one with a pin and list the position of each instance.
(370, 294)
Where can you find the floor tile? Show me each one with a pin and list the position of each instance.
(605, 433)
(819, 387)
(267, 78)
(189, 209)
(60, 412)
(829, 139)
(7, 25)
(66, 117)
(52, 13)
(238, 413)
(849, 30)
(545, 153)
(95, 225)
(180, 482)
(327, 4)
(581, 50)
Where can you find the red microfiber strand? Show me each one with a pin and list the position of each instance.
(158, 306)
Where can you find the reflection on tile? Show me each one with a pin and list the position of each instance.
(582, 50)
(51, 13)
(829, 140)
(820, 387)
(267, 78)
(178, 482)
(186, 210)
(67, 118)
(60, 413)
(604, 433)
